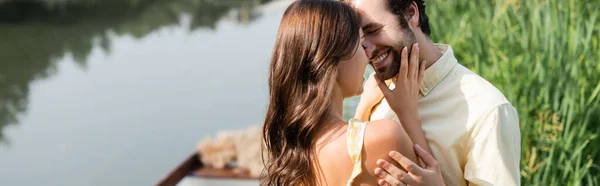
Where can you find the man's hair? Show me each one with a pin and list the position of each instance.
(400, 9)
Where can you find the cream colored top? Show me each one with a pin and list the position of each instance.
(472, 129)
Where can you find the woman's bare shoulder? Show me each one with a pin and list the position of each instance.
(381, 137)
(385, 131)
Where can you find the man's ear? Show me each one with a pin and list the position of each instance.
(412, 15)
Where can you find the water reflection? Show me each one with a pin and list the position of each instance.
(36, 35)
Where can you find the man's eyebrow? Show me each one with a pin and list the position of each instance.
(371, 25)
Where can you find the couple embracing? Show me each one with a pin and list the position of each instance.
(422, 118)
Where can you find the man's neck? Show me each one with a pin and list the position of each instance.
(428, 51)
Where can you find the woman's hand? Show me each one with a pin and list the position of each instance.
(368, 99)
(371, 95)
(403, 100)
(389, 174)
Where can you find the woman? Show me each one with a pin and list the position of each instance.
(317, 62)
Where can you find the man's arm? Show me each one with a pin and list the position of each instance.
(494, 151)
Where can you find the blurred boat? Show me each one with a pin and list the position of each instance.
(193, 168)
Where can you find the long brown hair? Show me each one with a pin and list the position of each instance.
(312, 39)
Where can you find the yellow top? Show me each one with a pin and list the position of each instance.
(354, 139)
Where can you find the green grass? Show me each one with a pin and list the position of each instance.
(543, 55)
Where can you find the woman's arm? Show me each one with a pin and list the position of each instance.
(403, 100)
(363, 111)
(370, 97)
(381, 137)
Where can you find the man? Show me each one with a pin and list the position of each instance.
(471, 128)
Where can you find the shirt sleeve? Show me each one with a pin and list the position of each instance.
(493, 155)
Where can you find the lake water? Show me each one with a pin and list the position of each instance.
(120, 98)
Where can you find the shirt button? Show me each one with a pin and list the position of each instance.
(425, 90)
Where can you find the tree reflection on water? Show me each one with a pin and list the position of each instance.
(36, 35)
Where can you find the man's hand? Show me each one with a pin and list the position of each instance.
(430, 175)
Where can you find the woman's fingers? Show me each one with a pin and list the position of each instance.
(387, 93)
(403, 73)
(421, 72)
(413, 66)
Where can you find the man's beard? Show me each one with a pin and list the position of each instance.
(393, 69)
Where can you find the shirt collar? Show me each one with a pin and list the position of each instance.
(439, 70)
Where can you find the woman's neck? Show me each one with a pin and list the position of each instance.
(336, 106)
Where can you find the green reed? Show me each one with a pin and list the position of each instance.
(543, 55)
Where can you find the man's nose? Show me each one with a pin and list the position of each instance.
(369, 48)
